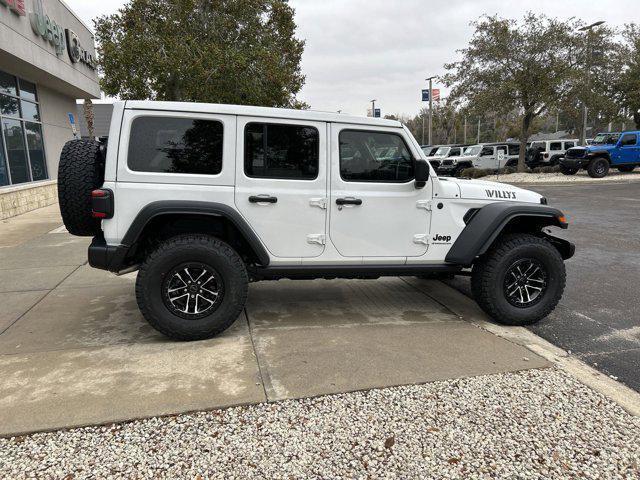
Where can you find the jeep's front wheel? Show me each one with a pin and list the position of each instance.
(520, 280)
(598, 168)
(192, 287)
(568, 170)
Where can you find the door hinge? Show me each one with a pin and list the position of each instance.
(426, 204)
(422, 238)
(318, 238)
(318, 202)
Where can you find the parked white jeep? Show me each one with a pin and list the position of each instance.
(202, 199)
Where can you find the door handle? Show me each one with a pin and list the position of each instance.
(262, 199)
(348, 201)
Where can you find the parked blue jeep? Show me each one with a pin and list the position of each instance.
(617, 150)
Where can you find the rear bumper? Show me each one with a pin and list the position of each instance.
(106, 257)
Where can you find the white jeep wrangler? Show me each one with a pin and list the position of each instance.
(202, 199)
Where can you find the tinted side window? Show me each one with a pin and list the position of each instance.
(568, 145)
(175, 145)
(514, 149)
(455, 152)
(374, 157)
(629, 139)
(486, 151)
(281, 151)
(553, 146)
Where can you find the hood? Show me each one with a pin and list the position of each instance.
(598, 148)
(493, 191)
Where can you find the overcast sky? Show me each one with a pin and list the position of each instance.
(357, 50)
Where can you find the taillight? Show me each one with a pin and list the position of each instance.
(102, 203)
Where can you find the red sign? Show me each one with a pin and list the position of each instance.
(435, 94)
(16, 6)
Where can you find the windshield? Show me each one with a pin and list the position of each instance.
(428, 151)
(473, 150)
(442, 151)
(606, 139)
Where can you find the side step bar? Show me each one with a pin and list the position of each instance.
(347, 271)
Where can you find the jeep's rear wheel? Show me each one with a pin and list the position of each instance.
(81, 170)
(520, 280)
(598, 168)
(192, 287)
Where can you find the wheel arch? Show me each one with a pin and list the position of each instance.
(499, 218)
(163, 219)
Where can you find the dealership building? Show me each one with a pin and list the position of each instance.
(47, 61)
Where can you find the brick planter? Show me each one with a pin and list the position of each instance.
(19, 199)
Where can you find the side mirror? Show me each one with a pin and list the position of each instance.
(421, 172)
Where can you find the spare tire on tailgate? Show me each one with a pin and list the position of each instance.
(81, 171)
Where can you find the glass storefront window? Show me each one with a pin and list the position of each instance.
(7, 83)
(4, 175)
(28, 90)
(14, 141)
(35, 144)
(9, 106)
(22, 157)
(30, 111)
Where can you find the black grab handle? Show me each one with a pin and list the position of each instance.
(348, 201)
(262, 199)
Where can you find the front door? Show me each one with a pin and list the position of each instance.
(375, 209)
(628, 152)
(281, 183)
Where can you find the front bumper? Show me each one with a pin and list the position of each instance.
(574, 162)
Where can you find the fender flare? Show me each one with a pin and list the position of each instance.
(489, 221)
(186, 207)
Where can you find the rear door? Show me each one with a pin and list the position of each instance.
(375, 209)
(281, 183)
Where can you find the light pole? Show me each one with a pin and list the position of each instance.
(373, 108)
(588, 30)
(430, 106)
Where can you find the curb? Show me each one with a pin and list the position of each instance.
(564, 184)
(466, 308)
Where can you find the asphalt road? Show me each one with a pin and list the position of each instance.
(598, 318)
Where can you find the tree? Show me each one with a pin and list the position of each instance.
(218, 51)
(525, 65)
(87, 109)
(628, 85)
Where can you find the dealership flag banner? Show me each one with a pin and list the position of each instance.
(435, 94)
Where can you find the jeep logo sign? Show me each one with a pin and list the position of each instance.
(49, 30)
(441, 238)
(59, 37)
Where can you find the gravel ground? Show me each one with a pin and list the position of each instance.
(580, 177)
(533, 424)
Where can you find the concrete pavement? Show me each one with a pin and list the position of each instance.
(74, 350)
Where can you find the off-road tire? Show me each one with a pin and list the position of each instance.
(598, 168)
(81, 170)
(488, 278)
(192, 248)
(626, 168)
(567, 170)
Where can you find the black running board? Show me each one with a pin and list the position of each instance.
(347, 271)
